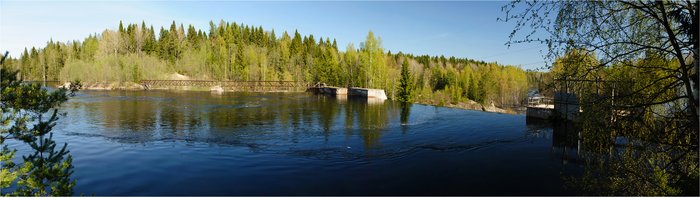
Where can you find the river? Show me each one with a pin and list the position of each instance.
(198, 143)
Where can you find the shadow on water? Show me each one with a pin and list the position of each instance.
(565, 136)
(405, 114)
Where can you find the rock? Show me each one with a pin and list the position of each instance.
(65, 85)
(492, 108)
(134, 86)
(217, 89)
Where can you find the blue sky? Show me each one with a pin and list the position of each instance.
(462, 29)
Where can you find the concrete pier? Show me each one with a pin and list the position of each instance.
(368, 93)
(539, 112)
(330, 90)
(372, 95)
(539, 107)
(334, 90)
(564, 106)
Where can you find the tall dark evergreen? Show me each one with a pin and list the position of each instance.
(405, 83)
(121, 27)
(335, 44)
(192, 36)
(296, 47)
(149, 45)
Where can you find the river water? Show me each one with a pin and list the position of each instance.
(198, 143)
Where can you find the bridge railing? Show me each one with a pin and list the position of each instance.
(540, 102)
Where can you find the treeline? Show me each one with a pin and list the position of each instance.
(231, 51)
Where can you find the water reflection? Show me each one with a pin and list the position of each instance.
(235, 117)
(290, 143)
(405, 113)
(566, 144)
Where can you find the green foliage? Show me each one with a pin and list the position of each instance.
(637, 87)
(488, 86)
(234, 51)
(576, 64)
(372, 66)
(661, 157)
(46, 171)
(116, 68)
(473, 93)
(440, 79)
(406, 84)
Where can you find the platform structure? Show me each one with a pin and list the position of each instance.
(566, 105)
(368, 93)
(375, 94)
(540, 107)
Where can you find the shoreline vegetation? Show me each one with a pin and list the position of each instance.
(121, 58)
(131, 86)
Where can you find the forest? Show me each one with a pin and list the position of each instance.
(238, 52)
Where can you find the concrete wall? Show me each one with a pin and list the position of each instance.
(368, 93)
(566, 105)
(540, 113)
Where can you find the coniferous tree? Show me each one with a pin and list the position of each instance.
(234, 51)
(335, 45)
(150, 41)
(24, 62)
(121, 27)
(46, 171)
(296, 47)
(406, 83)
(192, 36)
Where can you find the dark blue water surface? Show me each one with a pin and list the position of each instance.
(198, 143)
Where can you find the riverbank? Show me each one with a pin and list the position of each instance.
(472, 105)
(469, 105)
(111, 86)
(106, 86)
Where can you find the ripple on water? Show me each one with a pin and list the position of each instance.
(189, 143)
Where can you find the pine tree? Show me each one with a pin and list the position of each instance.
(46, 171)
(24, 64)
(121, 27)
(295, 48)
(272, 39)
(212, 30)
(405, 83)
(163, 44)
(335, 45)
(149, 45)
(192, 36)
(310, 44)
